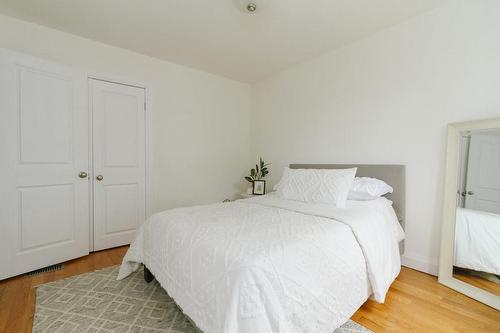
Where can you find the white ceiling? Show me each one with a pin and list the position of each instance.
(215, 36)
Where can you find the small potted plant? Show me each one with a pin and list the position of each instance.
(256, 178)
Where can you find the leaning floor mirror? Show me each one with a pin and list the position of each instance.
(470, 239)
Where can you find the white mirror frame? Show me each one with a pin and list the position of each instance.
(449, 213)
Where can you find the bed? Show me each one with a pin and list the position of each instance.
(477, 241)
(266, 264)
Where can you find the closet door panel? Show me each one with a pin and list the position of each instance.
(44, 146)
(45, 129)
(119, 158)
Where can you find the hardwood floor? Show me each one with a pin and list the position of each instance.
(415, 302)
(17, 295)
(478, 281)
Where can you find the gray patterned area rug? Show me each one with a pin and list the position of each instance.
(95, 302)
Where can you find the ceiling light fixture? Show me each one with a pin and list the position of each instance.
(247, 6)
(251, 7)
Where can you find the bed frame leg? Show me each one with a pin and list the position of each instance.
(148, 276)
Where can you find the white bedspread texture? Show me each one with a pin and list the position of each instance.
(269, 265)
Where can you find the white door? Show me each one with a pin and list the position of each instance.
(119, 162)
(44, 204)
(483, 175)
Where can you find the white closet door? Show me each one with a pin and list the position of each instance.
(44, 204)
(119, 162)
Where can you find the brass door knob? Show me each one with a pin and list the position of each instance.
(82, 174)
(99, 177)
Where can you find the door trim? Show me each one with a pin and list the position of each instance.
(148, 107)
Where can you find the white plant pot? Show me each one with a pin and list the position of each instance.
(250, 189)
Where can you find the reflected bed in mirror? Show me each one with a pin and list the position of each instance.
(470, 248)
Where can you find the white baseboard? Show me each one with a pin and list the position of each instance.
(420, 264)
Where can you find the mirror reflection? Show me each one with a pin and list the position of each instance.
(477, 226)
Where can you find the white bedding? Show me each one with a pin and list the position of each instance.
(270, 265)
(477, 241)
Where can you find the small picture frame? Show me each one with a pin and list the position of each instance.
(259, 187)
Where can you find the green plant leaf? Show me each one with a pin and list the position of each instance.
(259, 172)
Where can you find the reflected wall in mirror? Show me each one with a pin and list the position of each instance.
(476, 257)
(470, 239)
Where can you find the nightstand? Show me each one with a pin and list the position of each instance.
(246, 195)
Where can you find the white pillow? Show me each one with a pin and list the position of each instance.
(327, 186)
(365, 188)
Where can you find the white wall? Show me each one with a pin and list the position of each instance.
(200, 131)
(388, 99)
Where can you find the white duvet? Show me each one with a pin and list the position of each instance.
(477, 241)
(270, 265)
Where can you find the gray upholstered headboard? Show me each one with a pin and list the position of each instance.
(393, 175)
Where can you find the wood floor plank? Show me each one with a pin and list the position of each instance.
(479, 282)
(415, 303)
